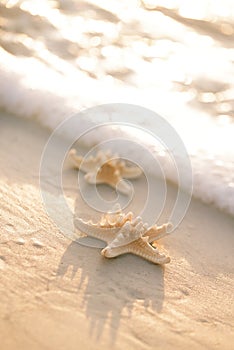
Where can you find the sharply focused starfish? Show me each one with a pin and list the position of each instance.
(106, 168)
(125, 234)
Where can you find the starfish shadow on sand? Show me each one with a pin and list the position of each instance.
(111, 288)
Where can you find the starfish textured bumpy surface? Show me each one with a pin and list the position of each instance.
(106, 168)
(125, 234)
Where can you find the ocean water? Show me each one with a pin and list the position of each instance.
(58, 58)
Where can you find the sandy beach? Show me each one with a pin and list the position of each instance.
(58, 58)
(58, 294)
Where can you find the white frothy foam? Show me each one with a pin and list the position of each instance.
(46, 87)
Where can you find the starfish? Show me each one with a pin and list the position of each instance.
(106, 168)
(125, 234)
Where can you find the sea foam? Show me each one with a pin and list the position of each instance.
(209, 142)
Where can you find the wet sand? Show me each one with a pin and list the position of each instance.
(56, 294)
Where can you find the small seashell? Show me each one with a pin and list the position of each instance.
(37, 243)
(20, 241)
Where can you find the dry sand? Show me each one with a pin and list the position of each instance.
(56, 294)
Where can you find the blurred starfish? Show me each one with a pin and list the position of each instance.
(106, 168)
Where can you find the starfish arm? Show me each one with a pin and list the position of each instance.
(156, 232)
(109, 176)
(123, 187)
(105, 174)
(131, 172)
(85, 165)
(93, 230)
(139, 247)
(76, 160)
(92, 178)
(117, 220)
(89, 165)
